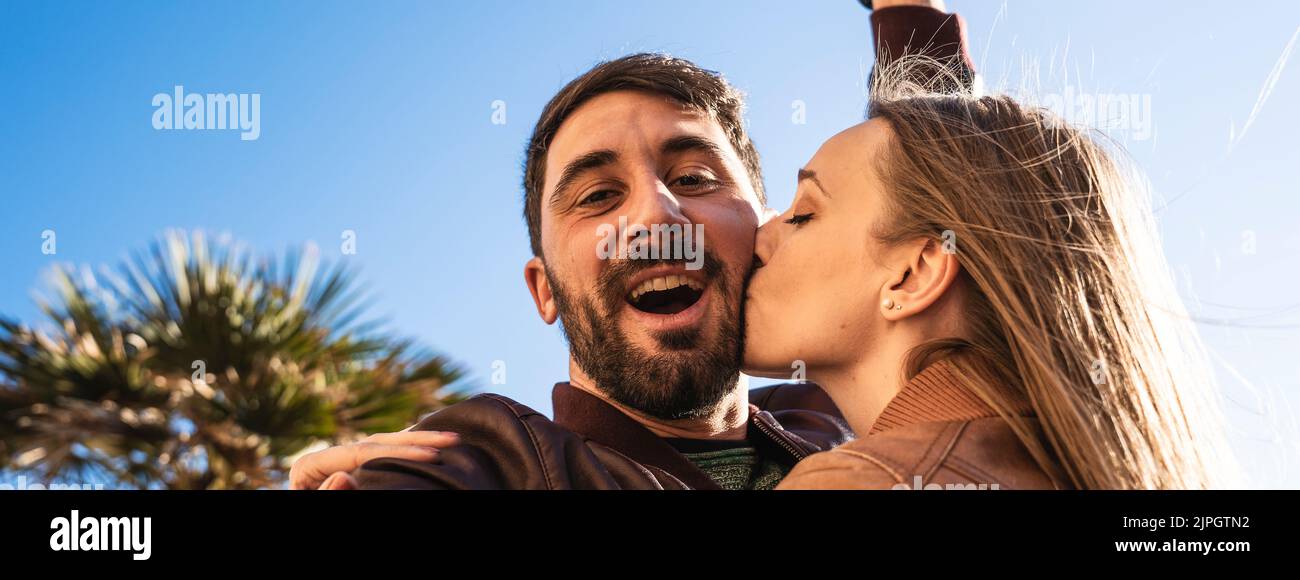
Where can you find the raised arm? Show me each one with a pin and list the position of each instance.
(905, 27)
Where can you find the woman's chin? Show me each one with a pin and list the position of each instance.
(763, 368)
(763, 356)
(766, 374)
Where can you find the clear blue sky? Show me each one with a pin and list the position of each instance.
(376, 117)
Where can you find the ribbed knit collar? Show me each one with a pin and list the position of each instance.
(937, 394)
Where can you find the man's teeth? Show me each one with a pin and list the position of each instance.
(665, 283)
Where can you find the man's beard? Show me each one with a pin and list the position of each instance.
(689, 376)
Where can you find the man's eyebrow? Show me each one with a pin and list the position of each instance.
(683, 143)
(810, 175)
(583, 164)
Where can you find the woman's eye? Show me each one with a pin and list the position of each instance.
(598, 197)
(799, 219)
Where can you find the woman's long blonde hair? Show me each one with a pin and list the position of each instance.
(1070, 303)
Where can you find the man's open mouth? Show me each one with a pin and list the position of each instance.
(668, 294)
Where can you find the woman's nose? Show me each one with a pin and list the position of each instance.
(767, 241)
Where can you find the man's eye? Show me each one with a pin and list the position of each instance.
(695, 181)
(597, 197)
(799, 219)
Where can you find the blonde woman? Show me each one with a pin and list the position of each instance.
(977, 286)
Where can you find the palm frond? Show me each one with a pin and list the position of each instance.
(194, 364)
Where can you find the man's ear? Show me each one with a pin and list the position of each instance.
(930, 272)
(540, 287)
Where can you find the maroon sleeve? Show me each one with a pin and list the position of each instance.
(900, 30)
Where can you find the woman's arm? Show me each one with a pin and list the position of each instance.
(905, 27)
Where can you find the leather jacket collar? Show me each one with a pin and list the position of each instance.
(587, 415)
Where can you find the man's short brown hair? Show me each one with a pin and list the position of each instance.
(679, 79)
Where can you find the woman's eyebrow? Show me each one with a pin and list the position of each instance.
(810, 175)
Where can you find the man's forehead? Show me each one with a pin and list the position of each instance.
(618, 120)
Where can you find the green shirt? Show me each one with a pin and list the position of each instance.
(733, 465)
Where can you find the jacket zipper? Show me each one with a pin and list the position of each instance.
(782, 441)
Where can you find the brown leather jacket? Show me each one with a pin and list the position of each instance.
(935, 434)
(593, 445)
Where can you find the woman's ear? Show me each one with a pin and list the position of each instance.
(930, 272)
(540, 287)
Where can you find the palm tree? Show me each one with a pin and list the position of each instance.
(196, 365)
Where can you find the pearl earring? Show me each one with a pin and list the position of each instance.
(887, 303)
(898, 307)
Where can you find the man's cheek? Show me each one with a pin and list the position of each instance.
(739, 233)
(737, 253)
(727, 238)
(582, 263)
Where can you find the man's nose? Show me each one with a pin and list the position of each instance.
(653, 203)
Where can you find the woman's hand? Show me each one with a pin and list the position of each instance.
(328, 468)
